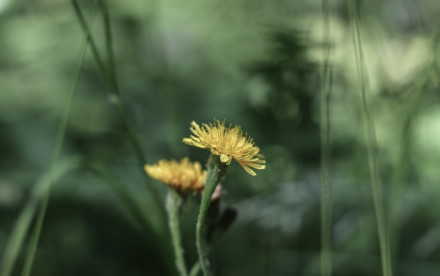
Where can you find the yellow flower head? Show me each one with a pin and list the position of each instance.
(182, 175)
(228, 143)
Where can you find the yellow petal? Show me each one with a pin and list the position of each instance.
(248, 170)
(257, 166)
(227, 142)
(187, 141)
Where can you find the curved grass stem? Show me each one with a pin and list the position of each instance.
(33, 243)
(376, 183)
(109, 75)
(326, 196)
(24, 220)
(195, 269)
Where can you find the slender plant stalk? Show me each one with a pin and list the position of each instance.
(110, 78)
(35, 237)
(195, 269)
(114, 98)
(372, 145)
(108, 39)
(173, 203)
(216, 172)
(33, 244)
(397, 183)
(400, 171)
(326, 196)
(26, 216)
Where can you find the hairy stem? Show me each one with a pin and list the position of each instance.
(216, 172)
(173, 202)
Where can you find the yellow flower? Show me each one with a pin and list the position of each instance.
(228, 143)
(182, 175)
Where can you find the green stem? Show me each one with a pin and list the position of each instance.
(216, 172)
(326, 196)
(372, 146)
(195, 269)
(114, 98)
(33, 244)
(399, 176)
(89, 37)
(110, 77)
(23, 222)
(108, 38)
(173, 202)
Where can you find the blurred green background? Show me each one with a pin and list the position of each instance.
(254, 63)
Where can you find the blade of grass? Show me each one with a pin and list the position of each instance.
(408, 115)
(115, 101)
(326, 196)
(24, 220)
(33, 244)
(371, 145)
(35, 236)
(195, 270)
(122, 114)
(108, 40)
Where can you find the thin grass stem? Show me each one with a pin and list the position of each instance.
(115, 101)
(33, 244)
(378, 198)
(24, 220)
(108, 39)
(408, 115)
(35, 237)
(195, 270)
(326, 196)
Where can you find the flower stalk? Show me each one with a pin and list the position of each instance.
(216, 173)
(173, 203)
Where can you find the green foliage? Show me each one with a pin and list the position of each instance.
(255, 64)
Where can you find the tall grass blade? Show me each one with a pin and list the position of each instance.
(108, 39)
(371, 145)
(114, 99)
(326, 196)
(195, 270)
(33, 244)
(24, 220)
(408, 115)
(35, 236)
